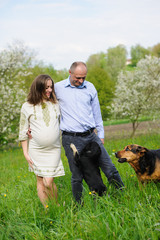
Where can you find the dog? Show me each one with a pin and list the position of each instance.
(88, 162)
(145, 162)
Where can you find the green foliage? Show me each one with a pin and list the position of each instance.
(104, 86)
(97, 60)
(40, 68)
(137, 53)
(156, 50)
(129, 67)
(116, 61)
(131, 214)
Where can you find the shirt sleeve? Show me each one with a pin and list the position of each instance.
(97, 116)
(23, 125)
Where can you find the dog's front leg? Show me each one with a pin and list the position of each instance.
(141, 184)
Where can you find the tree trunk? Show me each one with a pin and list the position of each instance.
(135, 125)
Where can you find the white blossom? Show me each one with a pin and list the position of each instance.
(138, 92)
(13, 66)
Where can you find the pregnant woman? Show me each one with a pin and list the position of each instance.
(42, 152)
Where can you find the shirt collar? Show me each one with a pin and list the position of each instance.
(68, 84)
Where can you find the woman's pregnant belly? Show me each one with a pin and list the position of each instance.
(45, 137)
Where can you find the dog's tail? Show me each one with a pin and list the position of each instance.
(75, 151)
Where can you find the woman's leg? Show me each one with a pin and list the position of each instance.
(41, 191)
(50, 188)
(46, 189)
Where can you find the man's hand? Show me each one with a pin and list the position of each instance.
(29, 133)
(102, 140)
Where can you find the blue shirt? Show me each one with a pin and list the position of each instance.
(80, 109)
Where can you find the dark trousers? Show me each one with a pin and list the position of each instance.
(106, 164)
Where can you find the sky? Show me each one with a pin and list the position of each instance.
(64, 31)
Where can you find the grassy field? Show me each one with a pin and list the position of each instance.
(131, 214)
(123, 121)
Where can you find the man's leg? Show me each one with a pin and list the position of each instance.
(77, 176)
(107, 166)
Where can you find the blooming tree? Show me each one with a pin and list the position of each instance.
(138, 92)
(14, 62)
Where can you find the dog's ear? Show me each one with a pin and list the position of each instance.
(140, 150)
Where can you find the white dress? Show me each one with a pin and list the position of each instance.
(44, 148)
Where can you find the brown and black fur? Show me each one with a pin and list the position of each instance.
(88, 161)
(145, 162)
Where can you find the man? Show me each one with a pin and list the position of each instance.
(80, 115)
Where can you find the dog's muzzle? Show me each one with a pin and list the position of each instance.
(120, 160)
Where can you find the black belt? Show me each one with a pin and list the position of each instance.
(82, 134)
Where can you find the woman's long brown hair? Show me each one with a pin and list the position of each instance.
(37, 90)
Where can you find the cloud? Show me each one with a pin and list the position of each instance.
(62, 31)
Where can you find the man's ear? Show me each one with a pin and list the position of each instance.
(69, 71)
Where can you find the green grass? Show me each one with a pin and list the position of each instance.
(131, 214)
(123, 121)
